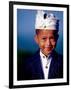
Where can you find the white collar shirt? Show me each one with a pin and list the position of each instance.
(45, 61)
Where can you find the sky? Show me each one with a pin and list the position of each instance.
(26, 30)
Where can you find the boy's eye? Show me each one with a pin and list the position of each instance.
(52, 38)
(44, 38)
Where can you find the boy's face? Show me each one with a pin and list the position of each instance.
(46, 41)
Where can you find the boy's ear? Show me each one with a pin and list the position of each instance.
(36, 39)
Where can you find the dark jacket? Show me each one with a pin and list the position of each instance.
(33, 70)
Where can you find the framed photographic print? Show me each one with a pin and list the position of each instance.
(38, 44)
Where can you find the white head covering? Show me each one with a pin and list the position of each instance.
(46, 22)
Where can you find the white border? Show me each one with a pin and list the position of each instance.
(29, 82)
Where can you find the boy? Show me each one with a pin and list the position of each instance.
(46, 63)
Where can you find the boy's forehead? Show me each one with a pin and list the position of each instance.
(46, 31)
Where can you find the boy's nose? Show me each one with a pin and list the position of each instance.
(48, 42)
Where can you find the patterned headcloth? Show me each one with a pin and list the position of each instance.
(46, 22)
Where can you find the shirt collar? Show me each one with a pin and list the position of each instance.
(43, 56)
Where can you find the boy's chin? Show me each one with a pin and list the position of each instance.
(47, 53)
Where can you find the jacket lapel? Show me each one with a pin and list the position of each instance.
(53, 66)
(51, 70)
(38, 67)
